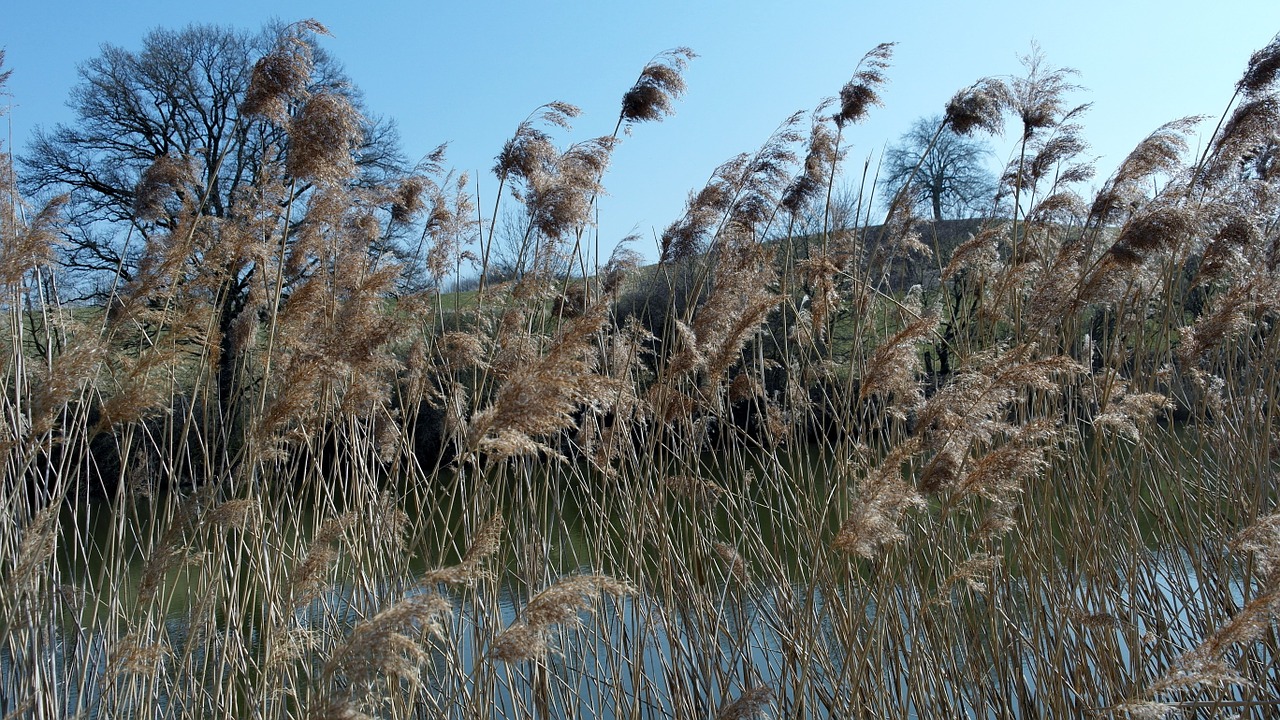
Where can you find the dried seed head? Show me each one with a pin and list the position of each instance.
(160, 181)
(1262, 539)
(978, 107)
(1159, 153)
(27, 246)
(1038, 97)
(527, 637)
(1158, 227)
(281, 76)
(530, 150)
(321, 140)
(753, 703)
(660, 83)
(882, 500)
(818, 162)
(862, 91)
(1252, 124)
(1264, 67)
(388, 645)
(470, 571)
(703, 492)
(894, 369)
(737, 564)
(407, 200)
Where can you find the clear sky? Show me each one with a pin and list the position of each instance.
(467, 73)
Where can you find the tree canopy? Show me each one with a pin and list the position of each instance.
(947, 171)
(175, 105)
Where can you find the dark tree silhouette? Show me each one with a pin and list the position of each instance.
(188, 151)
(951, 181)
(177, 97)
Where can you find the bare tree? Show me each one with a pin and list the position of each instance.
(947, 171)
(170, 138)
(177, 97)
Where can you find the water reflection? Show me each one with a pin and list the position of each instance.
(644, 657)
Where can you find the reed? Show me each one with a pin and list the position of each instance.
(734, 484)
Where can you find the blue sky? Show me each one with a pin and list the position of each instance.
(468, 73)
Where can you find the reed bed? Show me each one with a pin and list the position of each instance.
(741, 483)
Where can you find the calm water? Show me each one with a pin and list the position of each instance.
(670, 655)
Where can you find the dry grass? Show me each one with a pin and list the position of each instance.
(748, 499)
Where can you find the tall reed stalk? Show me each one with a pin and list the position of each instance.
(731, 485)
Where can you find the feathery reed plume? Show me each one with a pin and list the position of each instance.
(1118, 408)
(900, 234)
(28, 245)
(321, 139)
(978, 107)
(1057, 209)
(1224, 256)
(1261, 73)
(559, 197)
(661, 82)
(1208, 663)
(308, 578)
(1163, 224)
(333, 330)
(862, 92)
(538, 398)
(686, 354)
(516, 347)
(406, 200)
(1038, 97)
(173, 549)
(137, 387)
(1160, 153)
(240, 513)
(893, 370)
(737, 564)
(738, 303)
(975, 572)
(530, 149)
(820, 157)
(450, 224)
(981, 253)
(760, 181)
(741, 193)
(1262, 541)
(134, 654)
(1251, 125)
(387, 648)
(745, 386)
(164, 177)
(462, 350)
(1050, 155)
(751, 704)
(527, 638)
(1144, 710)
(39, 538)
(703, 492)
(997, 474)
(1228, 315)
(470, 570)
(623, 261)
(883, 498)
(683, 239)
(281, 76)
(968, 412)
(68, 374)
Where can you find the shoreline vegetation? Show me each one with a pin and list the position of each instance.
(806, 465)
